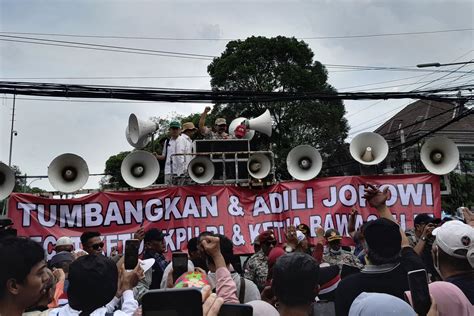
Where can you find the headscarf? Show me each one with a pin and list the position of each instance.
(449, 299)
(262, 308)
(375, 304)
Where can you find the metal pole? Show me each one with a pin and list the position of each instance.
(11, 132)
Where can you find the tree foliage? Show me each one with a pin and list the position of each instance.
(282, 64)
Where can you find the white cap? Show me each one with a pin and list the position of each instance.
(64, 241)
(300, 236)
(456, 239)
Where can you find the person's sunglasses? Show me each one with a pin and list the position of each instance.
(98, 246)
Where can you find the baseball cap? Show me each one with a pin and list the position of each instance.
(332, 234)
(383, 237)
(220, 121)
(423, 218)
(154, 234)
(267, 236)
(175, 124)
(64, 241)
(189, 125)
(456, 239)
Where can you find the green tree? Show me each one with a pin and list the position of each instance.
(282, 64)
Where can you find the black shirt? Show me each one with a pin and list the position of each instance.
(465, 282)
(389, 279)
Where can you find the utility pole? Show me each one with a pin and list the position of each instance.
(12, 131)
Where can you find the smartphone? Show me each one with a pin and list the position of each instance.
(420, 293)
(172, 302)
(131, 253)
(180, 264)
(236, 310)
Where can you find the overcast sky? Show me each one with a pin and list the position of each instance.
(95, 130)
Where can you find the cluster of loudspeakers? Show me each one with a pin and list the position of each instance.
(140, 168)
(69, 172)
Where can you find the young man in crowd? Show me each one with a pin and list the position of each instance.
(257, 266)
(92, 243)
(453, 255)
(64, 244)
(295, 283)
(24, 276)
(421, 240)
(246, 290)
(154, 248)
(336, 255)
(389, 255)
(176, 144)
(195, 255)
(189, 130)
(220, 126)
(93, 283)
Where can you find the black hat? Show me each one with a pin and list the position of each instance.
(383, 237)
(59, 258)
(423, 218)
(92, 282)
(154, 234)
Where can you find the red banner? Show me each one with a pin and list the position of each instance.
(239, 213)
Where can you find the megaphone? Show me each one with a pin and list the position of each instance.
(7, 180)
(369, 148)
(262, 124)
(304, 162)
(68, 173)
(140, 169)
(139, 129)
(233, 125)
(259, 166)
(141, 143)
(439, 155)
(201, 169)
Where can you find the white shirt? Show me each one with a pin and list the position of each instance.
(188, 149)
(129, 306)
(175, 146)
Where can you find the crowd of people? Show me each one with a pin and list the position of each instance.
(365, 273)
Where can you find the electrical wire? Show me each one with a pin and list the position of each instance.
(231, 39)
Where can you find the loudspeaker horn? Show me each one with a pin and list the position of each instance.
(369, 148)
(142, 142)
(140, 169)
(233, 125)
(139, 129)
(201, 169)
(7, 180)
(68, 173)
(304, 162)
(259, 166)
(439, 155)
(262, 124)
